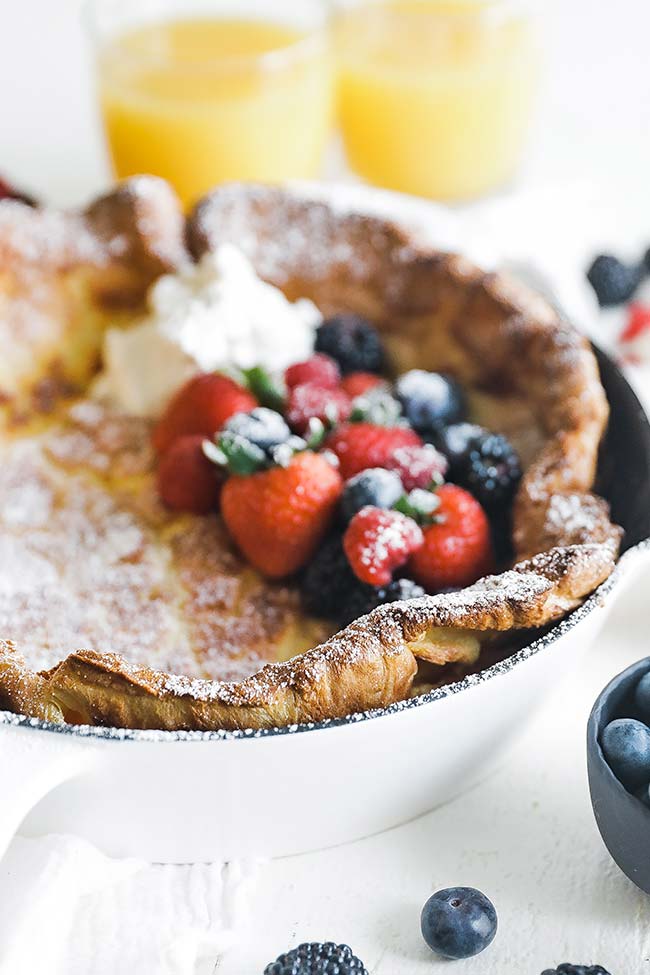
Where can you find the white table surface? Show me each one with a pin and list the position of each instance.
(526, 836)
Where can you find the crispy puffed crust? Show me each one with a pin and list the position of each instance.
(529, 374)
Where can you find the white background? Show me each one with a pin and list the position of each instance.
(527, 836)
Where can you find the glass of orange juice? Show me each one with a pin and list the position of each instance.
(205, 91)
(435, 96)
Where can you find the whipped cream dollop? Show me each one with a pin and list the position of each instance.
(214, 315)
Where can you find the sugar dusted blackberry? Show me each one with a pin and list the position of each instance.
(317, 959)
(613, 281)
(352, 342)
(491, 471)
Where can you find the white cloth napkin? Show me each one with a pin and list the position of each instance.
(69, 910)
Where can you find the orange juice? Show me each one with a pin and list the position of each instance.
(435, 95)
(208, 100)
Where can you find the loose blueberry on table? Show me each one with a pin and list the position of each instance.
(317, 959)
(458, 922)
(368, 490)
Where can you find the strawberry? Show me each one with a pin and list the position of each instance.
(320, 369)
(418, 467)
(279, 516)
(187, 480)
(202, 406)
(309, 401)
(358, 383)
(359, 446)
(378, 541)
(457, 549)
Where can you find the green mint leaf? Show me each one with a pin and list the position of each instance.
(268, 390)
(420, 505)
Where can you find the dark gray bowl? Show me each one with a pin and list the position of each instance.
(623, 820)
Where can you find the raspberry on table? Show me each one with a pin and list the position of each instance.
(377, 542)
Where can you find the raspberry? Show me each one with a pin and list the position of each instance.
(319, 369)
(457, 550)
(377, 542)
(419, 467)
(362, 445)
(358, 383)
(187, 480)
(310, 401)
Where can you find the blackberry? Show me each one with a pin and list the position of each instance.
(567, 969)
(492, 471)
(430, 400)
(374, 486)
(352, 342)
(613, 281)
(317, 959)
(331, 590)
(486, 464)
(401, 589)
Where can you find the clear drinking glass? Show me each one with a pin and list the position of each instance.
(436, 96)
(205, 91)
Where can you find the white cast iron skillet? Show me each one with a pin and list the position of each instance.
(200, 796)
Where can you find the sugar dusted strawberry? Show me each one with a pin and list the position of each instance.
(202, 406)
(187, 480)
(359, 446)
(457, 549)
(418, 467)
(320, 369)
(309, 401)
(279, 516)
(378, 541)
(358, 383)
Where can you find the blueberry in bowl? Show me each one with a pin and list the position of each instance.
(618, 761)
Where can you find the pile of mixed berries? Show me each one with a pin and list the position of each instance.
(370, 490)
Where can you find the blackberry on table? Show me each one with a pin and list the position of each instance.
(352, 342)
(317, 959)
(567, 969)
(613, 281)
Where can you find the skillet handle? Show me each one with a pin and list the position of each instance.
(33, 763)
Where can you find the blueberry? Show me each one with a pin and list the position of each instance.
(430, 400)
(374, 486)
(626, 746)
(352, 342)
(613, 281)
(262, 427)
(458, 922)
(642, 696)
